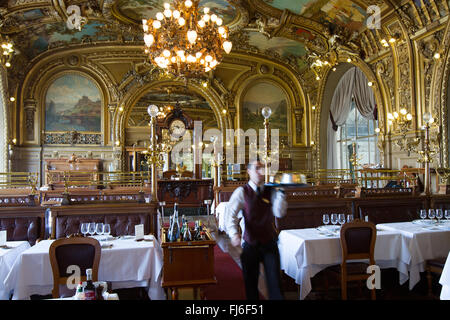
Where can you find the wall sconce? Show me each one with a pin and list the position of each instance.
(402, 123)
(7, 51)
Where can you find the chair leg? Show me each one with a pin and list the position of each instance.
(343, 288)
(430, 282)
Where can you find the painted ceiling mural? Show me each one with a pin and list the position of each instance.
(344, 13)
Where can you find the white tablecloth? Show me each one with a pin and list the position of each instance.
(7, 259)
(220, 215)
(422, 243)
(445, 280)
(126, 264)
(305, 252)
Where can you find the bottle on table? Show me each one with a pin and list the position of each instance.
(176, 235)
(89, 289)
(79, 294)
(187, 236)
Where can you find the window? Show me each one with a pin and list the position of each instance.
(361, 131)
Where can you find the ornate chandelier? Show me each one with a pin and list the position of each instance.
(184, 41)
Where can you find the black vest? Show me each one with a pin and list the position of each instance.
(258, 216)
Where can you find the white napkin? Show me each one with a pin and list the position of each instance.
(2, 238)
(139, 231)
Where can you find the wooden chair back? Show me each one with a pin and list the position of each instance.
(79, 251)
(358, 240)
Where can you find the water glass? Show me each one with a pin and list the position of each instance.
(431, 214)
(334, 218)
(326, 219)
(350, 218)
(341, 218)
(439, 215)
(423, 214)
(84, 228)
(91, 228)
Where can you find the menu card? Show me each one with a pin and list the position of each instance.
(139, 231)
(2, 238)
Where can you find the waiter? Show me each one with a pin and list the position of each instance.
(259, 204)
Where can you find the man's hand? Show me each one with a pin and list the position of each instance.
(236, 240)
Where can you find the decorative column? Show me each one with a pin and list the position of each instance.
(30, 110)
(266, 112)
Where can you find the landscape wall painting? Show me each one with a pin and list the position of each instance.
(260, 95)
(73, 103)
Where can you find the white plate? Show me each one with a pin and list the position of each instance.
(425, 222)
(329, 229)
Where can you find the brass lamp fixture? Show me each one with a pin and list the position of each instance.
(184, 41)
(427, 153)
(266, 112)
(155, 153)
(402, 121)
(7, 52)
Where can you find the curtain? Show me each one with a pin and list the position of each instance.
(363, 94)
(353, 83)
(339, 109)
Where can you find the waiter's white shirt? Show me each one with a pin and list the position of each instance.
(237, 202)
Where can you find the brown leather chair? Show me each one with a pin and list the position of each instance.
(434, 266)
(357, 242)
(79, 251)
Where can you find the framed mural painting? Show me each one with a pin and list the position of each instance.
(258, 96)
(73, 111)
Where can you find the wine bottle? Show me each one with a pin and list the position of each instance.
(169, 231)
(197, 231)
(89, 289)
(176, 225)
(187, 236)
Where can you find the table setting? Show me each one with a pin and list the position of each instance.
(125, 262)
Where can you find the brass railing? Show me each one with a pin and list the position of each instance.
(19, 180)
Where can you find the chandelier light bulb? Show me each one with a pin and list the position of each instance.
(427, 117)
(219, 21)
(198, 55)
(409, 117)
(166, 5)
(149, 39)
(192, 36)
(7, 64)
(214, 18)
(227, 45)
(166, 53)
(206, 10)
(159, 16)
(221, 30)
(395, 114)
(181, 22)
(190, 58)
(156, 24)
(180, 53)
(176, 14)
(208, 58)
(207, 69)
(168, 13)
(206, 17)
(403, 111)
(188, 3)
(201, 23)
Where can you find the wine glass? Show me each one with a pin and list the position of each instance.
(447, 215)
(350, 218)
(326, 219)
(99, 229)
(439, 215)
(431, 214)
(91, 228)
(341, 218)
(106, 230)
(84, 228)
(423, 214)
(334, 218)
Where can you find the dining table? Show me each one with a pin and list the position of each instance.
(444, 280)
(306, 252)
(124, 263)
(423, 240)
(8, 255)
